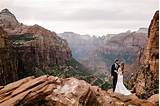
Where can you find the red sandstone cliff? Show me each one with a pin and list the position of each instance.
(36, 47)
(146, 79)
(8, 61)
(151, 53)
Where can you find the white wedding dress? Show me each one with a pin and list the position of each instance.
(120, 87)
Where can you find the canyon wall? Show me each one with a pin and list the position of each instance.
(99, 53)
(8, 60)
(36, 48)
(151, 53)
(146, 80)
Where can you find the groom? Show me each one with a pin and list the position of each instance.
(114, 75)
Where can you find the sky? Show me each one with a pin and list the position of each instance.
(94, 17)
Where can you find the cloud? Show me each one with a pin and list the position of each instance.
(83, 15)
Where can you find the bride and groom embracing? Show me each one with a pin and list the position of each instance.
(117, 76)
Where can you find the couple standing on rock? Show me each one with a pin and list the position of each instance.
(117, 70)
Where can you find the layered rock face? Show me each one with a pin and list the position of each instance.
(151, 53)
(8, 61)
(53, 91)
(98, 53)
(37, 48)
(146, 80)
(43, 47)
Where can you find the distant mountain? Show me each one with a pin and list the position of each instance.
(77, 43)
(125, 46)
(7, 19)
(98, 53)
(84, 47)
(142, 30)
(83, 44)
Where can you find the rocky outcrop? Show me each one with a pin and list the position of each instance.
(44, 48)
(151, 53)
(36, 47)
(53, 91)
(146, 80)
(7, 19)
(8, 61)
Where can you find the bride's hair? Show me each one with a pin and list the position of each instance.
(122, 66)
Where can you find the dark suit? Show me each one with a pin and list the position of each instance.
(115, 75)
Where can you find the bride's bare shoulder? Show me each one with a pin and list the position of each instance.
(119, 69)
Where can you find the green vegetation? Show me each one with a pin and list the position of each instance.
(20, 39)
(106, 86)
(70, 69)
(109, 58)
(76, 70)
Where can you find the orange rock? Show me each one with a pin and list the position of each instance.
(30, 84)
(154, 99)
(14, 85)
(147, 77)
(71, 91)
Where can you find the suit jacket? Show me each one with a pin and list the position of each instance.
(113, 73)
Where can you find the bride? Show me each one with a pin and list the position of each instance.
(120, 87)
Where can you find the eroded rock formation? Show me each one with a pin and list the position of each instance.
(41, 46)
(146, 80)
(53, 91)
(8, 61)
(98, 53)
(151, 53)
(36, 47)
(7, 19)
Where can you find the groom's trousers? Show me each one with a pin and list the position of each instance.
(114, 82)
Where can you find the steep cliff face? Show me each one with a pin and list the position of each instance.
(98, 53)
(146, 80)
(8, 61)
(151, 53)
(36, 47)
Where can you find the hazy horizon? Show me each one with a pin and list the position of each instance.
(96, 17)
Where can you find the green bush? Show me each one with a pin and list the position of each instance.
(106, 86)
